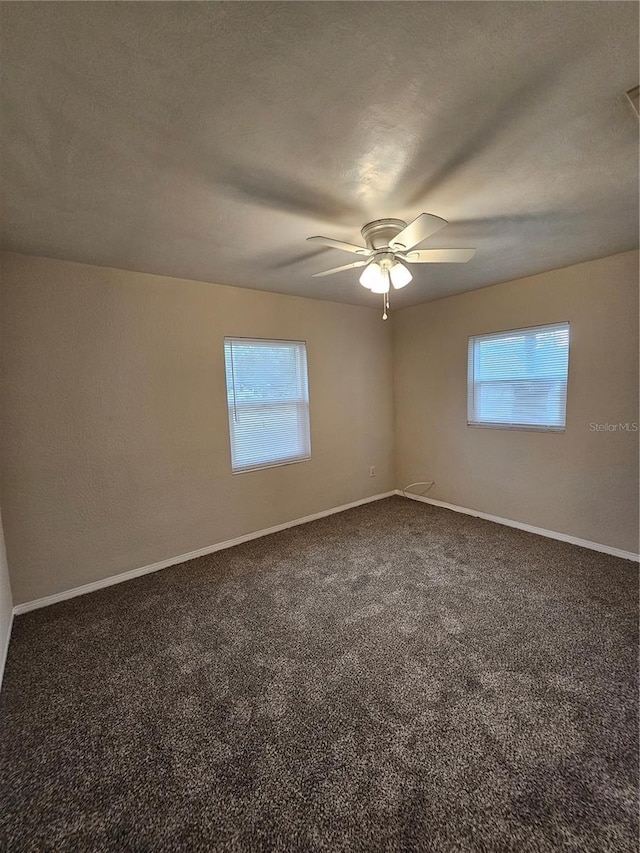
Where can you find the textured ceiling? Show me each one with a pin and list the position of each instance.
(208, 140)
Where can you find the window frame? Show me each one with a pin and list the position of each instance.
(231, 408)
(471, 384)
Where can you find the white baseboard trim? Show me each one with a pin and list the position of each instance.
(4, 649)
(541, 531)
(26, 606)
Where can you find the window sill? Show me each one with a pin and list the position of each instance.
(520, 427)
(278, 464)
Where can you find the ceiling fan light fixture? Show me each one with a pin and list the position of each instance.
(371, 275)
(400, 275)
(390, 247)
(382, 284)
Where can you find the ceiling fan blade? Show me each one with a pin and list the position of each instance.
(439, 256)
(338, 244)
(339, 269)
(423, 226)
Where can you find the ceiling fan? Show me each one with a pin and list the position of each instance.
(390, 245)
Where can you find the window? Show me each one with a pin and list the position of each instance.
(518, 379)
(268, 399)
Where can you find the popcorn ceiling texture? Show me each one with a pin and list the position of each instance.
(396, 677)
(208, 140)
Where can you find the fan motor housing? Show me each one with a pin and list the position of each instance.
(378, 234)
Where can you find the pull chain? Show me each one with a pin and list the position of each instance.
(385, 305)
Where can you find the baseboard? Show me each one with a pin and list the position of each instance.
(4, 649)
(541, 531)
(26, 606)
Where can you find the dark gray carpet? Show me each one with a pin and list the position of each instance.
(394, 678)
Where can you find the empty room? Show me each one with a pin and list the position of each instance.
(319, 459)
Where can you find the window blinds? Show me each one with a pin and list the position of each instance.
(518, 379)
(268, 400)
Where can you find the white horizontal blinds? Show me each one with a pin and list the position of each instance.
(268, 400)
(519, 378)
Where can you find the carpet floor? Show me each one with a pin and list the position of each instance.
(397, 677)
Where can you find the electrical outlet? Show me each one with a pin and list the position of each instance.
(372, 471)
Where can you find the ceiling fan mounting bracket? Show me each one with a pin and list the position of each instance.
(379, 233)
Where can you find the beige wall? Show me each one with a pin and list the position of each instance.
(6, 604)
(115, 450)
(579, 482)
